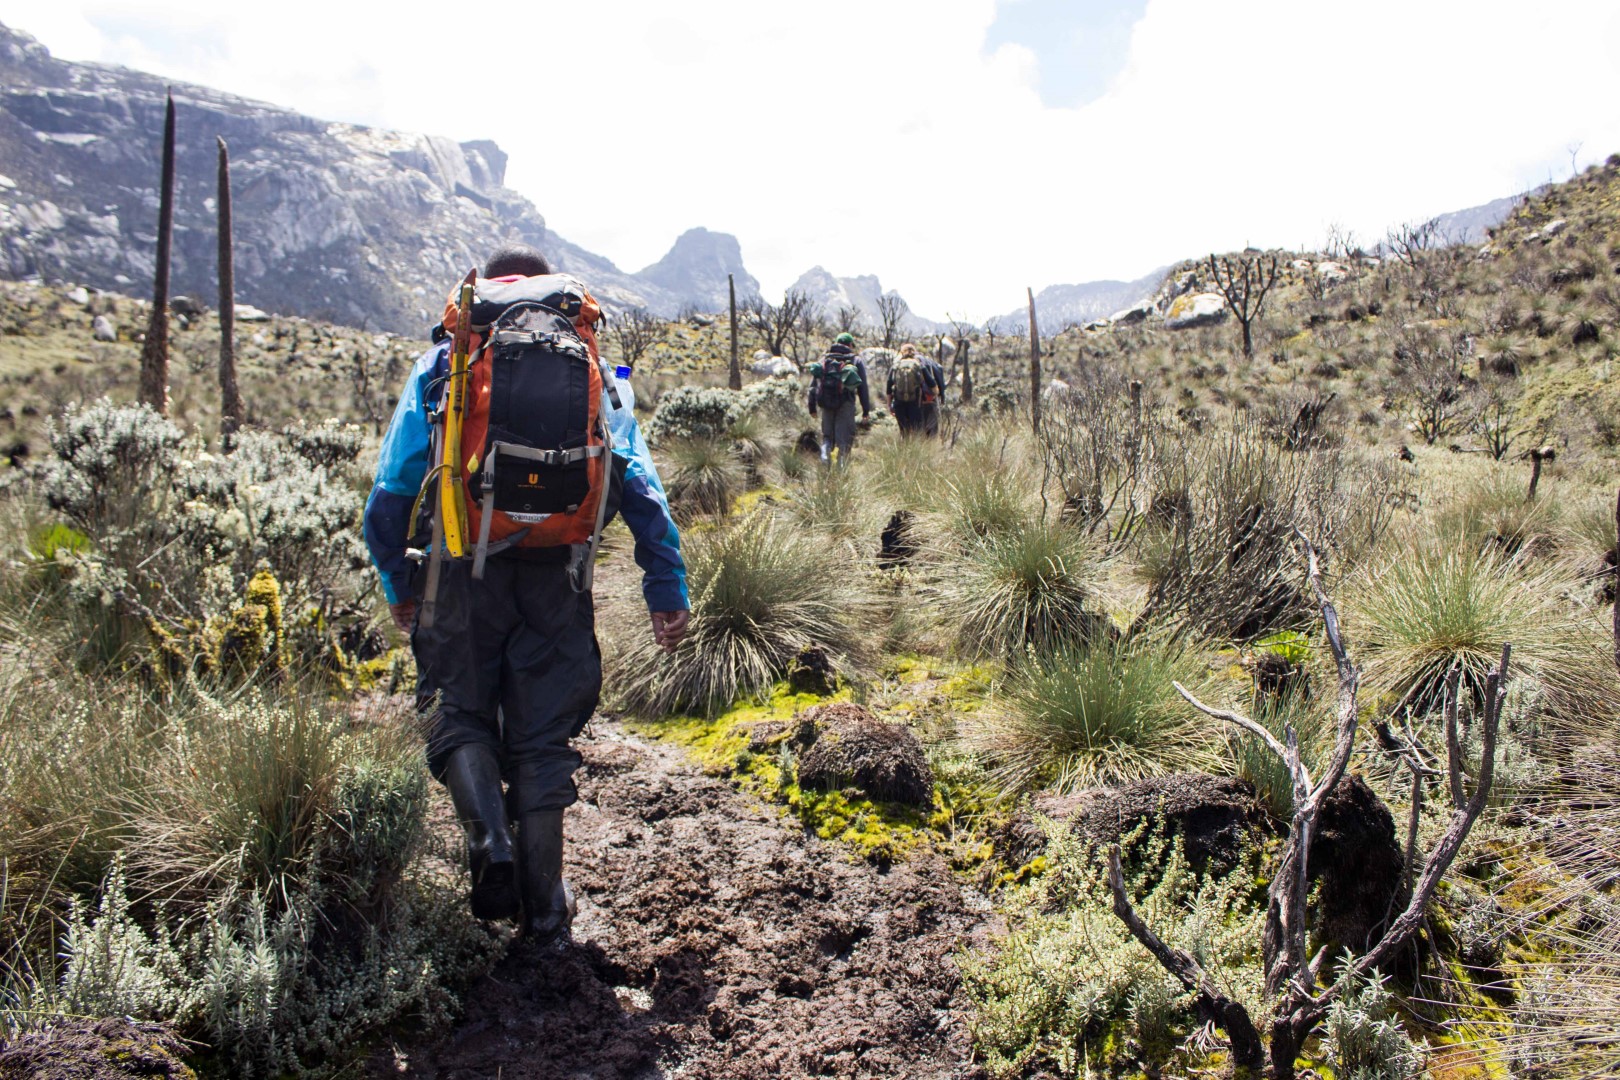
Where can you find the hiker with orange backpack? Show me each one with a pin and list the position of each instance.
(511, 448)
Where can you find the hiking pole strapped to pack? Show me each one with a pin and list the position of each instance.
(450, 516)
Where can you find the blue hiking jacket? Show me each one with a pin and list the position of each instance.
(403, 464)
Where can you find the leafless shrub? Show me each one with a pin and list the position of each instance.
(1292, 974)
(1221, 523)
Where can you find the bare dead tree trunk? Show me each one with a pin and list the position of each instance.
(155, 352)
(967, 374)
(1244, 283)
(1537, 456)
(1617, 582)
(1034, 365)
(230, 397)
(1292, 975)
(735, 382)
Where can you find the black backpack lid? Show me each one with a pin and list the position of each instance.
(559, 292)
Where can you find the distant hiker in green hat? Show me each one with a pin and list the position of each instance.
(837, 381)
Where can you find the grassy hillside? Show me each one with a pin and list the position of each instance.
(214, 816)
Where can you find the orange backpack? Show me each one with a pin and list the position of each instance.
(537, 457)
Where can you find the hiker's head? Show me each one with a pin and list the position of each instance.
(516, 260)
(908, 349)
(845, 339)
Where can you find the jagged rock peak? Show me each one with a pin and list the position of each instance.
(696, 268)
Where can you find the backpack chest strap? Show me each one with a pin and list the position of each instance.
(545, 457)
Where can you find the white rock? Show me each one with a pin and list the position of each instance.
(1195, 309)
(1553, 227)
(701, 320)
(1331, 272)
(260, 340)
(1057, 388)
(1134, 314)
(773, 365)
(762, 354)
(103, 329)
(78, 295)
(249, 313)
(1300, 266)
(7, 182)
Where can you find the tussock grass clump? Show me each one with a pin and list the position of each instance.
(703, 476)
(833, 501)
(1085, 718)
(1492, 510)
(762, 592)
(1433, 604)
(1027, 585)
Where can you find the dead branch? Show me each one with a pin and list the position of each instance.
(1230, 1016)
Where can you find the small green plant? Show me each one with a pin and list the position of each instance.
(1068, 989)
(1363, 1040)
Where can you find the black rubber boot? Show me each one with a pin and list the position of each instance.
(474, 779)
(548, 902)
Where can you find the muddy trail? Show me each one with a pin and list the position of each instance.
(715, 939)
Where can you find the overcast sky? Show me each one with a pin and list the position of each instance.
(960, 149)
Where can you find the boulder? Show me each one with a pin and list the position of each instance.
(1553, 228)
(1331, 272)
(1195, 309)
(761, 355)
(188, 306)
(1300, 266)
(249, 313)
(773, 366)
(103, 329)
(853, 748)
(1216, 817)
(78, 295)
(1356, 866)
(812, 672)
(1132, 315)
(897, 544)
(88, 1049)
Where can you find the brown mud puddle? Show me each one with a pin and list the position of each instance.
(716, 940)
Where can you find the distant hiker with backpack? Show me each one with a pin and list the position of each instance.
(933, 397)
(910, 384)
(837, 382)
(512, 446)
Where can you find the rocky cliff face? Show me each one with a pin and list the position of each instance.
(696, 268)
(1057, 306)
(860, 294)
(355, 225)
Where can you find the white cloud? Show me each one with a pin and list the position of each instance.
(875, 136)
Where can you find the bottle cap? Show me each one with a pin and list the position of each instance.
(621, 372)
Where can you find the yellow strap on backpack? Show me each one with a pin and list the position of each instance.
(452, 499)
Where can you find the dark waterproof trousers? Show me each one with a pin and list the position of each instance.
(510, 662)
(930, 415)
(909, 415)
(838, 430)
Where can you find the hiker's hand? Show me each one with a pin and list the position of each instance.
(404, 614)
(669, 627)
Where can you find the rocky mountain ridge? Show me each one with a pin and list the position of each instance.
(859, 294)
(352, 224)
